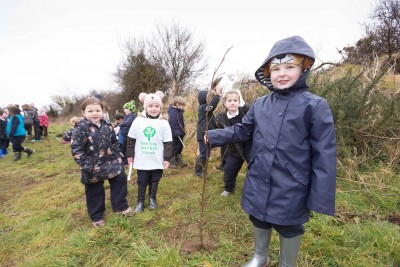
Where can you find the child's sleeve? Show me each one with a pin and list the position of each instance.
(14, 126)
(130, 147)
(167, 151)
(68, 134)
(79, 150)
(173, 122)
(323, 151)
(167, 142)
(213, 104)
(220, 120)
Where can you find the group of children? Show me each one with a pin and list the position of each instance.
(13, 131)
(102, 155)
(17, 126)
(287, 138)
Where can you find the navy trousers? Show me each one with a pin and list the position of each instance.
(95, 196)
(231, 170)
(287, 231)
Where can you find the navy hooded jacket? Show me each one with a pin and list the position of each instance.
(292, 167)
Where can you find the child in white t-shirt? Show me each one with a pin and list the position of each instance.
(149, 147)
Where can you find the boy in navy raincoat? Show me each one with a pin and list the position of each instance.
(292, 167)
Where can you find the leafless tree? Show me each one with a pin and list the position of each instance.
(385, 27)
(382, 36)
(174, 48)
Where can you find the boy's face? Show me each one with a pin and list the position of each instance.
(118, 121)
(232, 103)
(180, 106)
(284, 76)
(93, 113)
(127, 111)
(153, 109)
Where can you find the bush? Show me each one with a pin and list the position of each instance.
(366, 118)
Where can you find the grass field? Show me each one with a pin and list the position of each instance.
(44, 222)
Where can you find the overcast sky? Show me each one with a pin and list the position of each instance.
(63, 47)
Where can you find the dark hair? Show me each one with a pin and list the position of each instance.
(91, 100)
(118, 116)
(13, 110)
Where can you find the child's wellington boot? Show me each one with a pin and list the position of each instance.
(289, 250)
(172, 162)
(153, 195)
(140, 199)
(17, 156)
(180, 161)
(199, 167)
(28, 151)
(262, 237)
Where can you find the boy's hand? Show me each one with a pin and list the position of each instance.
(218, 89)
(166, 164)
(205, 139)
(130, 160)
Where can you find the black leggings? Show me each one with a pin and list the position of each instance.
(287, 231)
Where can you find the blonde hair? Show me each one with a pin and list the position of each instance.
(230, 92)
(178, 100)
(74, 120)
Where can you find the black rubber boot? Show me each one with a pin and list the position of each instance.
(180, 161)
(153, 195)
(28, 151)
(199, 167)
(17, 156)
(140, 199)
(172, 163)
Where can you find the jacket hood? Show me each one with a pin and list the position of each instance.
(202, 97)
(294, 45)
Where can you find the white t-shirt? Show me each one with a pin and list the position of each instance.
(150, 135)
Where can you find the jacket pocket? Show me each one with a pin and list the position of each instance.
(296, 174)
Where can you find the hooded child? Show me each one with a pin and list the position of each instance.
(292, 168)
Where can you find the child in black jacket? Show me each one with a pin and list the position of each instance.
(208, 102)
(238, 152)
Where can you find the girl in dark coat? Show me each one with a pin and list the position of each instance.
(292, 167)
(237, 152)
(95, 149)
(177, 123)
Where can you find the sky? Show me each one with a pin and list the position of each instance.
(70, 47)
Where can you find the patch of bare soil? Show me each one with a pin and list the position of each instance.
(188, 237)
(357, 218)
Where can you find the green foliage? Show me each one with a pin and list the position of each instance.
(366, 118)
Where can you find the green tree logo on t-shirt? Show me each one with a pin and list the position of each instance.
(149, 132)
